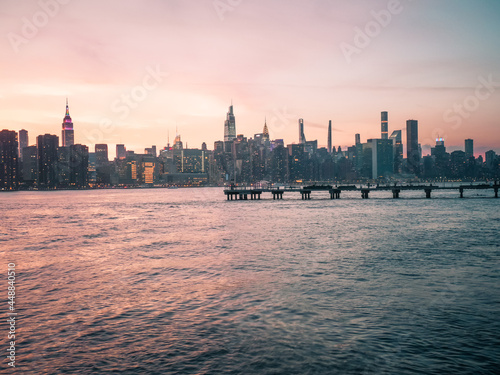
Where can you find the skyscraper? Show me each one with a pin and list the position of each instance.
(412, 149)
(9, 150)
(47, 161)
(382, 157)
(79, 161)
(384, 126)
(101, 154)
(357, 139)
(302, 137)
(68, 137)
(63, 167)
(23, 142)
(30, 165)
(469, 148)
(330, 136)
(265, 132)
(398, 150)
(230, 125)
(121, 152)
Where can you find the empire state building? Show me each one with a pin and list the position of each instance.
(68, 137)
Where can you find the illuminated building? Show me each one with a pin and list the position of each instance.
(384, 125)
(47, 161)
(30, 166)
(63, 167)
(230, 126)
(121, 152)
(23, 142)
(68, 137)
(9, 150)
(265, 133)
(79, 166)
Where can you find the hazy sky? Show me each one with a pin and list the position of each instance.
(135, 71)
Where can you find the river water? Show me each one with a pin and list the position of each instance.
(162, 281)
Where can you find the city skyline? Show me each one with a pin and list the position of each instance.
(347, 63)
(230, 132)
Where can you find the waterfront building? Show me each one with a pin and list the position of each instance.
(412, 147)
(469, 148)
(47, 145)
(9, 151)
(23, 142)
(30, 166)
(398, 150)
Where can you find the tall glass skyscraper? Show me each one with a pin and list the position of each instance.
(230, 126)
(412, 151)
(23, 142)
(302, 137)
(398, 150)
(384, 125)
(330, 136)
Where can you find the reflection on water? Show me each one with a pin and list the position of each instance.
(182, 281)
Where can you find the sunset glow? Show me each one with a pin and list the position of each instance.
(135, 72)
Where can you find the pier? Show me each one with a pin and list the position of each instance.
(243, 192)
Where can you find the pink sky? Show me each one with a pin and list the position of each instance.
(280, 60)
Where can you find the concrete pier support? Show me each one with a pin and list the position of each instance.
(276, 195)
(306, 195)
(334, 194)
(496, 192)
(428, 193)
(461, 193)
(364, 193)
(395, 193)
